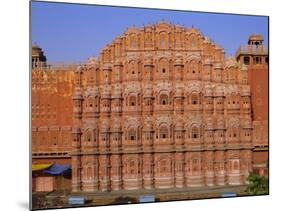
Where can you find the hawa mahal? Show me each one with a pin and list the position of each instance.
(159, 108)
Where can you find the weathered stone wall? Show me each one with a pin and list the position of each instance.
(51, 113)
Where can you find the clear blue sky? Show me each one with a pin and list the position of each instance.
(75, 32)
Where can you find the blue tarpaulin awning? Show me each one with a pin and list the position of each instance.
(229, 194)
(76, 200)
(146, 198)
(58, 169)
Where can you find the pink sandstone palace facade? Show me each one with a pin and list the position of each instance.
(160, 108)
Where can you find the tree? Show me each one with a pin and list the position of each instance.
(258, 185)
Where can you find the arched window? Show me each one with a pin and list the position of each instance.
(147, 135)
(247, 133)
(194, 99)
(132, 101)
(89, 136)
(164, 99)
(163, 67)
(194, 132)
(132, 135)
(163, 131)
(236, 165)
(131, 167)
(133, 70)
(194, 69)
(163, 166)
(147, 101)
(89, 172)
(234, 132)
(105, 136)
(179, 134)
(105, 103)
(195, 166)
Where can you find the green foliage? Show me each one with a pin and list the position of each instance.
(258, 185)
